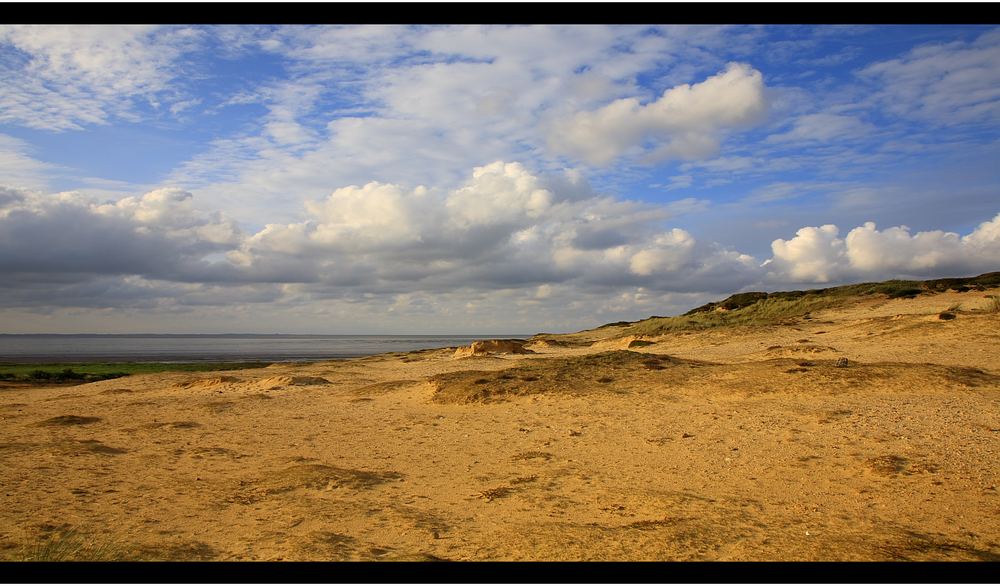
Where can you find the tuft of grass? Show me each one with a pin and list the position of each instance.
(993, 305)
(73, 546)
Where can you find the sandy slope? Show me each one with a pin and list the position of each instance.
(722, 445)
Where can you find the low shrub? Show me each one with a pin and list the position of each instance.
(907, 293)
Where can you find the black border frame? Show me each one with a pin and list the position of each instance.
(403, 13)
(637, 13)
(501, 572)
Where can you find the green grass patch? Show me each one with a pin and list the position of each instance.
(95, 371)
(770, 311)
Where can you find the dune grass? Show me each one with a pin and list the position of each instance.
(73, 546)
(767, 309)
(770, 311)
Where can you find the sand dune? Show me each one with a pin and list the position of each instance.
(867, 431)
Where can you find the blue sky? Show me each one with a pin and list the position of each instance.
(368, 179)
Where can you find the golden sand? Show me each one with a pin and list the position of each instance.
(722, 444)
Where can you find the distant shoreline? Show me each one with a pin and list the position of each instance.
(303, 336)
(42, 360)
(202, 348)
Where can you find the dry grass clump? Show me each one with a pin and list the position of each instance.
(73, 546)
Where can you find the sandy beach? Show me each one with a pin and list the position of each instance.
(863, 432)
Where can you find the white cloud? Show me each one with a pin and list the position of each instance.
(499, 193)
(560, 251)
(668, 252)
(65, 77)
(504, 227)
(70, 236)
(18, 168)
(818, 255)
(943, 83)
(811, 256)
(678, 182)
(823, 128)
(423, 105)
(686, 122)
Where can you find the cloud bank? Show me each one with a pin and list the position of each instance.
(818, 255)
(507, 233)
(464, 174)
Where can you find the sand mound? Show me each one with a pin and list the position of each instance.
(546, 344)
(209, 383)
(384, 387)
(568, 376)
(487, 347)
(623, 343)
(541, 343)
(799, 350)
(277, 382)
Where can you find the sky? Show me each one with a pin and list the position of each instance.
(470, 179)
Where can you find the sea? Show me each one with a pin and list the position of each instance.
(40, 348)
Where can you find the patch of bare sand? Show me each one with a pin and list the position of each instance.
(737, 444)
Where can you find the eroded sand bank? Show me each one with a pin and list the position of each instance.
(727, 444)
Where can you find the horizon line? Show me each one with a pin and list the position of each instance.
(247, 334)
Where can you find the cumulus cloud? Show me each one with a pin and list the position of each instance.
(423, 105)
(686, 122)
(818, 255)
(499, 193)
(68, 235)
(812, 255)
(509, 239)
(504, 228)
(668, 252)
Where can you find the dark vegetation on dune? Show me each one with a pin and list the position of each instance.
(78, 373)
(757, 308)
(891, 289)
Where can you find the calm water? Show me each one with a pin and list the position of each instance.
(180, 348)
